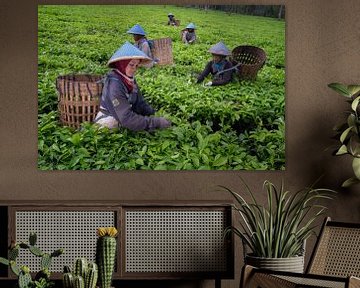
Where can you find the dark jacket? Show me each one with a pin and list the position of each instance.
(220, 79)
(189, 37)
(129, 108)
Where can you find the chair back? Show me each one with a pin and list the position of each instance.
(337, 251)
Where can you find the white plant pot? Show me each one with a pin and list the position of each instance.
(291, 264)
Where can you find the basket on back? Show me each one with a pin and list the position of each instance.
(163, 51)
(79, 98)
(251, 60)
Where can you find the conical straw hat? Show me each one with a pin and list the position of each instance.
(129, 51)
(136, 29)
(219, 49)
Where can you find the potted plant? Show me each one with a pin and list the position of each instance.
(276, 233)
(84, 274)
(42, 278)
(349, 132)
(106, 254)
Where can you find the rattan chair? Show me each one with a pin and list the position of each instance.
(335, 262)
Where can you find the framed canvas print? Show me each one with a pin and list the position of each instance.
(161, 87)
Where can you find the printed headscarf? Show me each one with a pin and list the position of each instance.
(120, 66)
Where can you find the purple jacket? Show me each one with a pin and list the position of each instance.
(128, 108)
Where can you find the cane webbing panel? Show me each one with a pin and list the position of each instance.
(313, 282)
(74, 231)
(338, 252)
(175, 241)
(267, 280)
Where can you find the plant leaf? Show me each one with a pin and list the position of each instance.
(340, 88)
(344, 134)
(355, 103)
(342, 150)
(353, 89)
(356, 167)
(351, 120)
(349, 182)
(220, 161)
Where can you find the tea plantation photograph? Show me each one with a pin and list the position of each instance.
(237, 126)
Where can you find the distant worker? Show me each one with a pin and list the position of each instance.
(220, 68)
(122, 104)
(188, 34)
(142, 43)
(171, 20)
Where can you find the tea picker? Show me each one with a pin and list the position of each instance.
(188, 35)
(218, 67)
(142, 43)
(122, 104)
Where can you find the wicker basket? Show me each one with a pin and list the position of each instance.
(79, 98)
(251, 60)
(163, 51)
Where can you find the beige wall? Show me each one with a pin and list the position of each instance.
(322, 46)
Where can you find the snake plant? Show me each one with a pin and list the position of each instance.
(279, 228)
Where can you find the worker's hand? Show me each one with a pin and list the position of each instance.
(163, 122)
(208, 83)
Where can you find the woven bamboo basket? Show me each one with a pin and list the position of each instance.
(79, 98)
(163, 51)
(177, 22)
(251, 60)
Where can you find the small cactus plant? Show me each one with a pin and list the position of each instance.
(105, 254)
(24, 278)
(85, 275)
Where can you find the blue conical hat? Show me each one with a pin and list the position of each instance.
(136, 29)
(129, 51)
(190, 26)
(219, 49)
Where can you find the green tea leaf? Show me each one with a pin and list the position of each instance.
(220, 161)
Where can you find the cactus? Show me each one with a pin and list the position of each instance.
(36, 251)
(24, 278)
(4, 261)
(80, 267)
(91, 276)
(79, 282)
(67, 269)
(45, 261)
(14, 268)
(32, 239)
(105, 254)
(68, 280)
(57, 252)
(13, 253)
(84, 274)
(24, 246)
(44, 274)
(23, 273)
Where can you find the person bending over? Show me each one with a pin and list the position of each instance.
(122, 104)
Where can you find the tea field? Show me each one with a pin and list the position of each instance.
(239, 126)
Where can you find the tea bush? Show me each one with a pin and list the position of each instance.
(237, 126)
